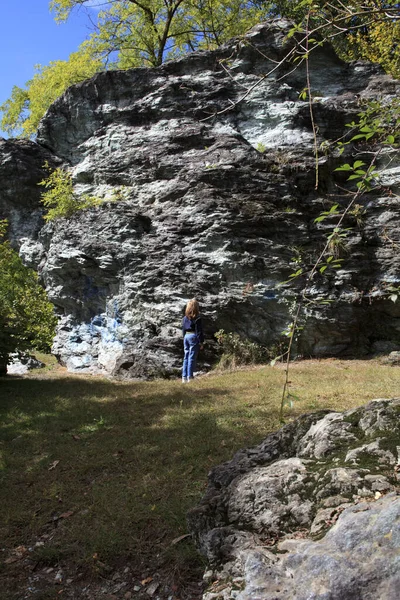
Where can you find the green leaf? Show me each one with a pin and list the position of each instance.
(294, 30)
(358, 163)
(298, 272)
(345, 167)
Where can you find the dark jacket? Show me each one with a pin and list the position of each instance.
(193, 326)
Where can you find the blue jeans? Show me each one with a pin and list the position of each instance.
(191, 348)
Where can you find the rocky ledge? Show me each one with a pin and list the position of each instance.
(312, 513)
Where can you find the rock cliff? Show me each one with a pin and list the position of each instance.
(312, 513)
(201, 202)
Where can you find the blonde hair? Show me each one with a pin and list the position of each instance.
(192, 309)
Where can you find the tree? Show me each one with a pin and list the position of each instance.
(362, 29)
(27, 319)
(379, 43)
(23, 111)
(147, 32)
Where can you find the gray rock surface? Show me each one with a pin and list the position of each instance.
(21, 364)
(217, 206)
(297, 519)
(21, 168)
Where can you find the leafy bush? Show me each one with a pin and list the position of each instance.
(237, 351)
(26, 316)
(60, 198)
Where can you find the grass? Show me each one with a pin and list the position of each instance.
(102, 472)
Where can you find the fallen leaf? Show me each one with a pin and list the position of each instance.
(53, 465)
(20, 551)
(66, 515)
(146, 581)
(76, 437)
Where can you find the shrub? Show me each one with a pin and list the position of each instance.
(26, 316)
(237, 351)
(60, 198)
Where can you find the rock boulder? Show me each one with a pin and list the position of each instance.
(312, 513)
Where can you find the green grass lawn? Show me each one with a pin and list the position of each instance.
(102, 472)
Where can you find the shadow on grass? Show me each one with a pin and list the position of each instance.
(124, 461)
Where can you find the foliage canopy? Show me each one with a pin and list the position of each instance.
(148, 32)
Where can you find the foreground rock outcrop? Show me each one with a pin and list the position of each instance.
(312, 513)
(201, 202)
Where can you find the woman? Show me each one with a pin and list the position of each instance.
(193, 338)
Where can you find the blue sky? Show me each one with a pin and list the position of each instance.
(29, 36)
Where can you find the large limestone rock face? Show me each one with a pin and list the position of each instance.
(312, 513)
(217, 205)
